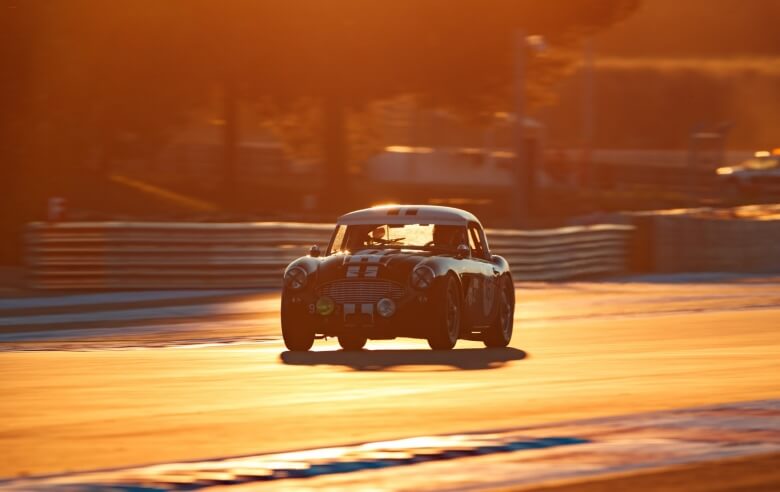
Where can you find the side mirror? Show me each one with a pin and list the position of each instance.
(462, 251)
(314, 251)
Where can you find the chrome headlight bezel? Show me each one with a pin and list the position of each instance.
(385, 307)
(295, 278)
(422, 277)
(325, 306)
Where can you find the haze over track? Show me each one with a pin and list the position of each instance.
(160, 390)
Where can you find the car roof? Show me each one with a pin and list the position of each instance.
(408, 214)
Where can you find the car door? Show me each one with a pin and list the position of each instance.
(482, 288)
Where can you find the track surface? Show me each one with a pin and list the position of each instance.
(605, 448)
(122, 393)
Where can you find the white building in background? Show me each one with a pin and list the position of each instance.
(453, 154)
(426, 165)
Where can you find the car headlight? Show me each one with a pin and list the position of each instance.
(325, 306)
(422, 277)
(385, 307)
(295, 278)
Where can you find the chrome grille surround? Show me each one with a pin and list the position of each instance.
(361, 291)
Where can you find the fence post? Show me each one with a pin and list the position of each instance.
(642, 245)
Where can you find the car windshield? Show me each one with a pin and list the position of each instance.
(352, 238)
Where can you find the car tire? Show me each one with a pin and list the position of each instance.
(298, 337)
(446, 323)
(499, 334)
(352, 342)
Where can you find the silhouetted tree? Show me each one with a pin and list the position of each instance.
(343, 54)
(81, 75)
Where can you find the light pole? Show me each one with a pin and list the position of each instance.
(706, 150)
(588, 110)
(522, 198)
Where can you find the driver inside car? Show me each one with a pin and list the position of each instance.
(365, 237)
(448, 237)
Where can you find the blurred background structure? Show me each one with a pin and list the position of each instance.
(163, 161)
(245, 110)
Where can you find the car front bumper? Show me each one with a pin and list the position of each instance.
(413, 314)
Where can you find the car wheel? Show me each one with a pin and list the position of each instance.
(298, 337)
(499, 334)
(352, 341)
(446, 322)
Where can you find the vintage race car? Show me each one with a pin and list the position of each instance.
(400, 271)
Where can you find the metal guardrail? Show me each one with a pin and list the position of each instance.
(684, 243)
(143, 255)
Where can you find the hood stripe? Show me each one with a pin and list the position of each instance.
(367, 263)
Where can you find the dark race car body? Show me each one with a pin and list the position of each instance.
(413, 271)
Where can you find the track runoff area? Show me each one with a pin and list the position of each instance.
(671, 385)
(557, 454)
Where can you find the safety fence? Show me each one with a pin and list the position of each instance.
(156, 255)
(685, 243)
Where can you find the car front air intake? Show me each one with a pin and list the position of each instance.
(361, 291)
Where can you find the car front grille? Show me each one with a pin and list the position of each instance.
(361, 291)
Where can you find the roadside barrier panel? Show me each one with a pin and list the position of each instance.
(684, 243)
(158, 255)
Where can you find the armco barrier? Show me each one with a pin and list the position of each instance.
(692, 244)
(152, 255)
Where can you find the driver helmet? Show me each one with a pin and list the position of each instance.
(447, 236)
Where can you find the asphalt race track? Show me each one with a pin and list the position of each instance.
(122, 380)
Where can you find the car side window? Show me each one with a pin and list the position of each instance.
(472, 244)
(483, 241)
(475, 242)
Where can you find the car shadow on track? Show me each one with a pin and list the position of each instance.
(379, 360)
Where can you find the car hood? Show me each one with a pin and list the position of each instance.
(391, 264)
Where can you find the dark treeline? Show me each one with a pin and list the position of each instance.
(82, 77)
(697, 28)
(674, 66)
(657, 108)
